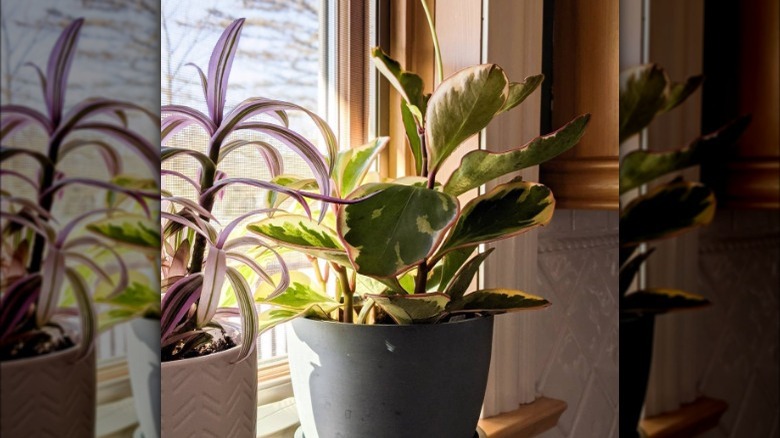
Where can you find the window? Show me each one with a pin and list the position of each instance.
(289, 50)
(116, 57)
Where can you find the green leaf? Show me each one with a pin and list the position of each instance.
(480, 166)
(630, 269)
(641, 98)
(274, 199)
(465, 275)
(452, 262)
(497, 301)
(414, 308)
(132, 230)
(394, 229)
(640, 167)
(300, 296)
(273, 317)
(353, 164)
(519, 91)
(658, 300)
(461, 106)
(666, 211)
(413, 136)
(302, 234)
(114, 317)
(408, 84)
(677, 93)
(138, 297)
(507, 210)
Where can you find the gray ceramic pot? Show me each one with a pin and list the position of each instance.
(143, 348)
(358, 381)
(49, 396)
(210, 396)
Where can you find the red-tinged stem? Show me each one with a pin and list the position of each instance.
(206, 182)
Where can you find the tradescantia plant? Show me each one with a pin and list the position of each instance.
(401, 250)
(43, 257)
(199, 255)
(671, 208)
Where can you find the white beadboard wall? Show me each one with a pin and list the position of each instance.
(577, 353)
(739, 271)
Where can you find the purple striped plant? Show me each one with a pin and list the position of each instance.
(46, 255)
(199, 258)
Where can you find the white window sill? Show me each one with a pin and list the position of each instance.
(276, 413)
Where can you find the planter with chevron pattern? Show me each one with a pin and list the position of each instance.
(49, 396)
(210, 396)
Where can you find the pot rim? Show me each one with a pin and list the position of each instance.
(379, 326)
(73, 349)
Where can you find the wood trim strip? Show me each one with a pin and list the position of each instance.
(690, 420)
(584, 182)
(527, 421)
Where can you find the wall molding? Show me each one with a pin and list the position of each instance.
(578, 243)
(739, 244)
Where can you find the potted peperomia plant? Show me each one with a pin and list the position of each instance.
(209, 375)
(666, 210)
(402, 347)
(52, 264)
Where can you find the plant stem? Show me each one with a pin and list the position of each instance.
(421, 282)
(347, 292)
(46, 202)
(436, 49)
(423, 150)
(206, 182)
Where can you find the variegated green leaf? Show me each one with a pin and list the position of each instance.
(641, 166)
(394, 229)
(132, 230)
(408, 84)
(460, 284)
(497, 301)
(666, 211)
(412, 136)
(413, 308)
(452, 262)
(461, 106)
(273, 317)
(677, 92)
(631, 269)
(658, 300)
(480, 166)
(519, 91)
(641, 98)
(507, 210)
(304, 235)
(275, 199)
(646, 91)
(353, 164)
(300, 296)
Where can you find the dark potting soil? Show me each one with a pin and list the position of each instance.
(35, 342)
(210, 340)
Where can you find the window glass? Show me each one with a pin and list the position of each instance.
(279, 56)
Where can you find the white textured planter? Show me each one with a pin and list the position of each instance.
(210, 396)
(50, 396)
(143, 348)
